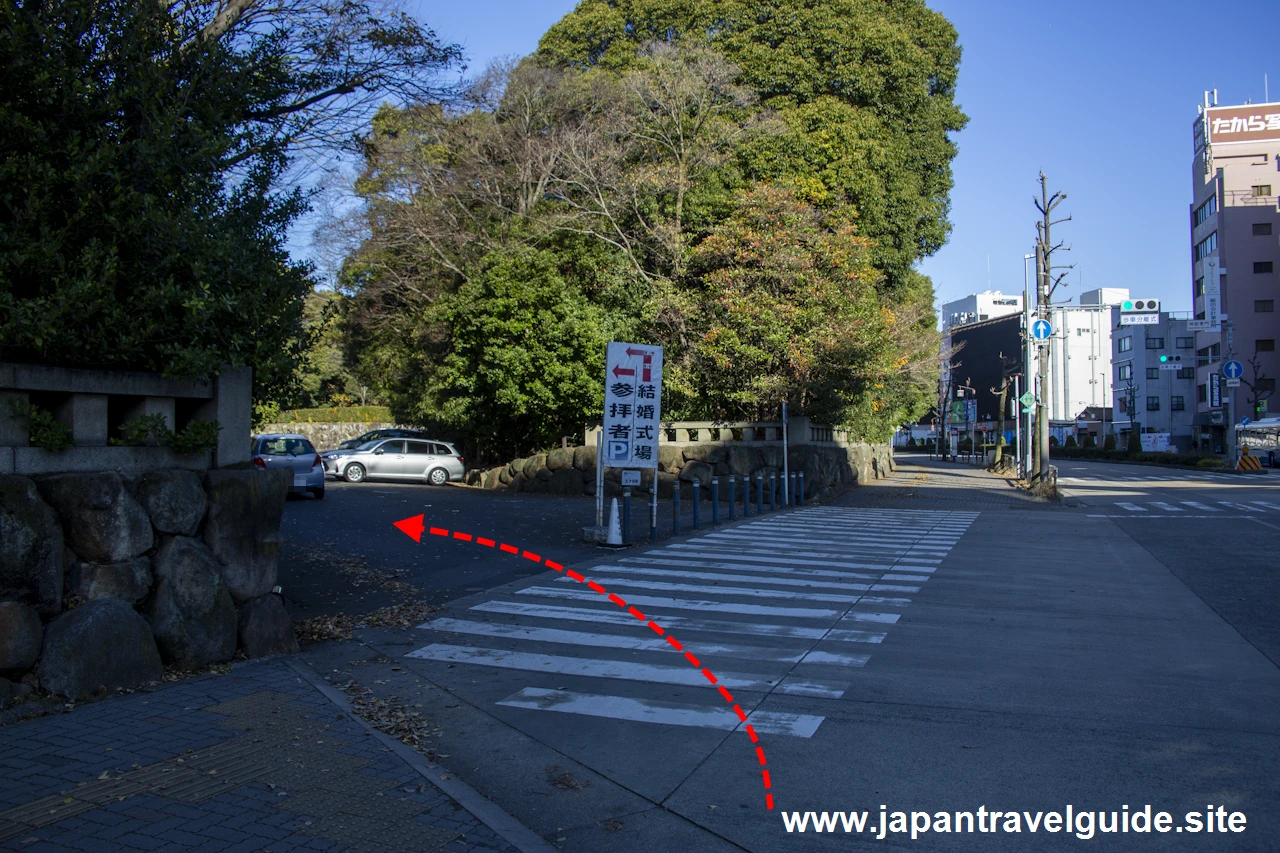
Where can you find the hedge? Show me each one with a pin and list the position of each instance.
(1194, 459)
(338, 415)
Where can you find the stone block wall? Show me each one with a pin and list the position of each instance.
(327, 436)
(105, 577)
(828, 468)
(93, 404)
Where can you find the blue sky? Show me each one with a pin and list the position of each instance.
(1108, 120)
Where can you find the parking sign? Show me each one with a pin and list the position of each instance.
(632, 405)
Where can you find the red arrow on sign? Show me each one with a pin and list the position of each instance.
(631, 351)
(623, 371)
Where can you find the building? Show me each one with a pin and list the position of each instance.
(978, 307)
(1153, 366)
(1080, 358)
(1234, 229)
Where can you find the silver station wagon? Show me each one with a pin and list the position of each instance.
(435, 462)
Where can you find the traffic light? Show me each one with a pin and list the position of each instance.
(1144, 305)
(1171, 359)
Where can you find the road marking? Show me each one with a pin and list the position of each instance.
(797, 687)
(718, 576)
(854, 636)
(596, 640)
(603, 668)
(688, 604)
(662, 713)
(551, 611)
(1238, 506)
(688, 560)
(746, 592)
(1200, 506)
(1167, 507)
(1130, 507)
(783, 561)
(837, 659)
(1265, 504)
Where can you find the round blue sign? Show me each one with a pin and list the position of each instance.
(1232, 369)
(1041, 330)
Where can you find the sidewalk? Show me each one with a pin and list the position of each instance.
(266, 758)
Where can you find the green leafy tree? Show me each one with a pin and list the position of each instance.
(524, 359)
(146, 147)
(865, 89)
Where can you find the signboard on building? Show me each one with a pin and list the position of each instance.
(1215, 391)
(1156, 442)
(1248, 123)
(1212, 292)
(632, 405)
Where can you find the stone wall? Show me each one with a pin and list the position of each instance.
(93, 404)
(105, 577)
(328, 436)
(828, 468)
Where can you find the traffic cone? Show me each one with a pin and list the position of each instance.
(615, 525)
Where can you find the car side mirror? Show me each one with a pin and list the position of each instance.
(379, 452)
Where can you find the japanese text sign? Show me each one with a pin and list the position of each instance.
(632, 405)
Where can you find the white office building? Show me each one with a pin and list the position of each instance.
(1080, 374)
(1155, 380)
(977, 307)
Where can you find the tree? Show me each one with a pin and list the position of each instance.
(1009, 367)
(785, 308)
(146, 148)
(1047, 281)
(1260, 387)
(865, 89)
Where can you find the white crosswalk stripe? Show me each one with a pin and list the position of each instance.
(791, 604)
(1189, 509)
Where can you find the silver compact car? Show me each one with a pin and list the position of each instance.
(295, 454)
(436, 462)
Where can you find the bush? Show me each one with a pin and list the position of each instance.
(1053, 441)
(337, 415)
(1109, 443)
(1089, 440)
(1134, 445)
(43, 429)
(1071, 441)
(1211, 462)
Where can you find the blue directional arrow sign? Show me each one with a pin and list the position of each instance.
(1041, 330)
(1232, 369)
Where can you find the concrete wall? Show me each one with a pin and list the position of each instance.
(327, 436)
(93, 403)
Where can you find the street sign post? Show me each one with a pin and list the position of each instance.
(1027, 399)
(632, 417)
(632, 405)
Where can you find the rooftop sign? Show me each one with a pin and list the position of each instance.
(1249, 123)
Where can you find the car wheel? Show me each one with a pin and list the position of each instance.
(354, 473)
(438, 477)
(318, 493)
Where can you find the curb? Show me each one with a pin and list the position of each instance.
(486, 811)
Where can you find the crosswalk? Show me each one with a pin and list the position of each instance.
(1198, 508)
(1152, 478)
(790, 604)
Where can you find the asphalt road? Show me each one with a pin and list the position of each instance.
(353, 525)
(1217, 532)
(936, 641)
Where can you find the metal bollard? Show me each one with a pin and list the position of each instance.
(675, 509)
(733, 495)
(759, 494)
(626, 516)
(791, 489)
(800, 489)
(715, 501)
(773, 490)
(697, 502)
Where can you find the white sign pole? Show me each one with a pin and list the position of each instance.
(600, 479)
(786, 468)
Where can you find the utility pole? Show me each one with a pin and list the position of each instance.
(1046, 283)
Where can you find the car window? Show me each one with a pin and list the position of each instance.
(419, 448)
(285, 447)
(392, 447)
(443, 450)
(368, 445)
